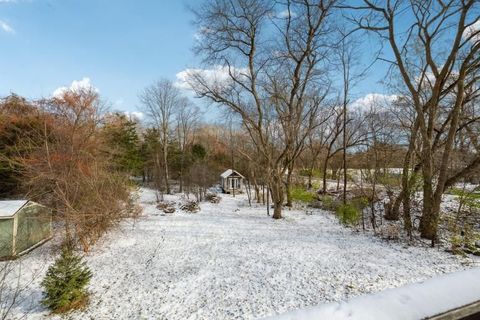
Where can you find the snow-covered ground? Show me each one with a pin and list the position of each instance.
(433, 297)
(230, 261)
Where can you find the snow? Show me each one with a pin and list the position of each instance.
(415, 301)
(232, 261)
(226, 173)
(9, 207)
(229, 172)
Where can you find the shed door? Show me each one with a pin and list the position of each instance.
(6, 237)
(33, 226)
(234, 183)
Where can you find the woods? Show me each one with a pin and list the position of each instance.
(331, 128)
(286, 76)
(437, 63)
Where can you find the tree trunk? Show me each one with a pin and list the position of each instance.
(344, 155)
(165, 167)
(310, 174)
(263, 193)
(434, 200)
(268, 200)
(426, 222)
(393, 212)
(249, 193)
(407, 219)
(325, 166)
(288, 186)
(182, 161)
(277, 195)
(407, 181)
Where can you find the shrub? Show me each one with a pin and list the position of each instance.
(306, 172)
(329, 203)
(386, 179)
(213, 198)
(191, 206)
(65, 283)
(456, 244)
(361, 202)
(348, 214)
(390, 232)
(468, 198)
(301, 195)
(462, 236)
(166, 206)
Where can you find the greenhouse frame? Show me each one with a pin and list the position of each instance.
(24, 225)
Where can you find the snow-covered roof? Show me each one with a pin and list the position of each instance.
(10, 207)
(229, 172)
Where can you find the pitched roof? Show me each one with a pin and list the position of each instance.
(229, 172)
(10, 207)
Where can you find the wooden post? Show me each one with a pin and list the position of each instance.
(249, 193)
(268, 201)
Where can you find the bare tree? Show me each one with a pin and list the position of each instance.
(436, 56)
(187, 118)
(332, 144)
(349, 65)
(16, 282)
(272, 73)
(317, 141)
(160, 101)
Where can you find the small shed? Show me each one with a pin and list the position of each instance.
(232, 181)
(24, 225)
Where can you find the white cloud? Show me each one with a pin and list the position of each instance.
(119, 102)
(373, 100)
(285, 14)
(135, 115)
(76, 86)
(217, 76)
(6, 27)
(199, 35)
(473, 30)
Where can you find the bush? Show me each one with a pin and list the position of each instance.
(213, 198)
(65, 283)
(301, 195)
(462, 238)
(316, 173)
(329, 202)
(166, 206)
(390, 232)
(469, 198)
(361, 202)
(191, 206)
(348, 214)
(386, 179)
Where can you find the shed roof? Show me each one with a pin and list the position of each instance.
(10, 207)
(229, 172)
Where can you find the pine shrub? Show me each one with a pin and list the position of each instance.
(65, 283)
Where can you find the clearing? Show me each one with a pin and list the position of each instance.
(232, 261)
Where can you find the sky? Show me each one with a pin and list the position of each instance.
(117, 46)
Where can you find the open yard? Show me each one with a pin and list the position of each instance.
(230, 261)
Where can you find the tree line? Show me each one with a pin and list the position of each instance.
(281, 58)
(286, 77)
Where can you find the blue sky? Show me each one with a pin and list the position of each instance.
(121, 45)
